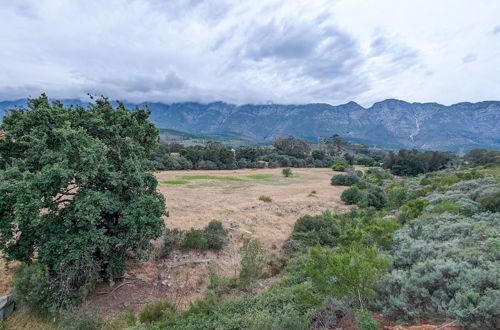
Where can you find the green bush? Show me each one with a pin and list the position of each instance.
(80, 320)
(216, 235)
(340, 166)
(287, 172)
(195, 239)
(446, 206)
(344, 180)
(356, 271)
(160, 310)
(375, 197)
(42, 293)
(491, 202)
(252, 262)
(311, 230)
(352, 195)
(412, 209)
(172, 239)
(365, 320)
(396, 196)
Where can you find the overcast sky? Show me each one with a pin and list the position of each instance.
(252, 51)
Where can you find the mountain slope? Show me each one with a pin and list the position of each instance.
(390, 123)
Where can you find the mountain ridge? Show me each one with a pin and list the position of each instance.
(391, 123)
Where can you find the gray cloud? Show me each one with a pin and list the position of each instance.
(241, 51)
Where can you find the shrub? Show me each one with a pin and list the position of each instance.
(216, 235)
(352, 196)
(365, 320)
(311, 230)
(42, 293)
(290, 247)
(265, 199)
(356, 271)
(252, 262)
(491, 202)
(195, 239)
(344, 180)
(446, 206)
(160, 310)
(80, 320)
(375, 197)
(412, 209)
(340, 166)
(287, 172)
(327, 317)
(172, 239)
(396, 196)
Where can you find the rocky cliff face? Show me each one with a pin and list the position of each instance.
(390, 123)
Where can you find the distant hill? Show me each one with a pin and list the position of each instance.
(390, 123)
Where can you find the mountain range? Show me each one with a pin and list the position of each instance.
(390, 123)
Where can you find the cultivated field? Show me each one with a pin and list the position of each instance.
(194, 198)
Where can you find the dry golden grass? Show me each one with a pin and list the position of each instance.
(194, 198)
(198, 202)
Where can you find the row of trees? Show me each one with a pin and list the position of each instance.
(285, 152)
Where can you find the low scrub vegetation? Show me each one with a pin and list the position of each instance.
(265, 199)
(213, 236)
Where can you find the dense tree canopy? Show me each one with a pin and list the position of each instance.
(75, 187)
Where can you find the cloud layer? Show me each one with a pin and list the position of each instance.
(251, 51)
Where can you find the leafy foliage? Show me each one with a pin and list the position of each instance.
(195, 239)
(353, 195)
(491, 202)
(76, 192)
(216, 235)
(344, 180)
(414, 162)
(252, 262)
(340, 166)
(287, 172)
(353, 272)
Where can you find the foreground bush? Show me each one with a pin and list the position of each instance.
(356, 272)
(445, 265)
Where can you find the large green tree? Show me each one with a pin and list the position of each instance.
(76, 192)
